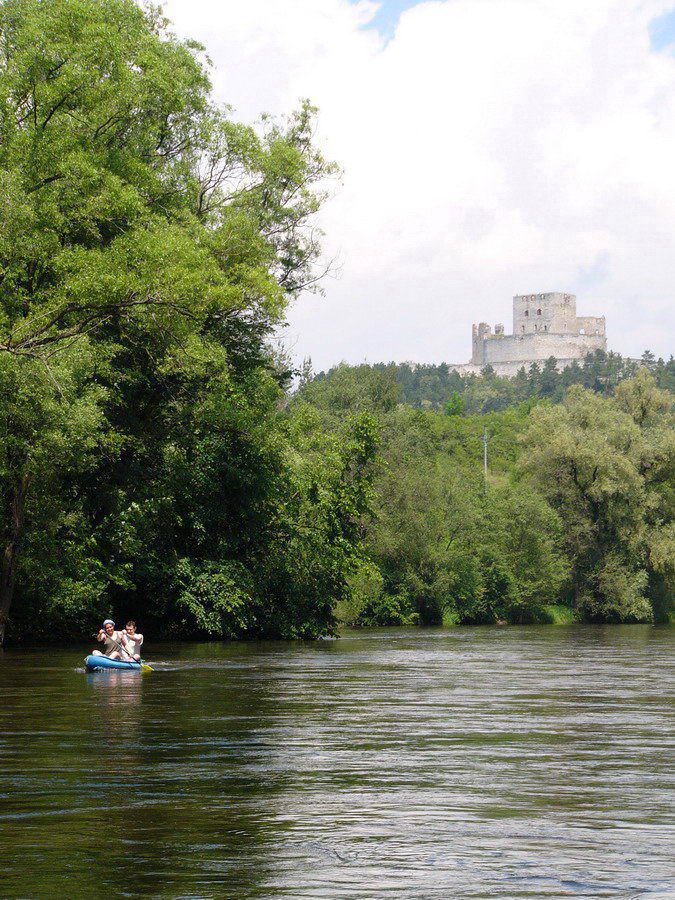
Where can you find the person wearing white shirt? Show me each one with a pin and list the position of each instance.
(132, 641)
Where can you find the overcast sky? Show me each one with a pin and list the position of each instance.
(489, 148)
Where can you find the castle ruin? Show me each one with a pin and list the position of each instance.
(544, 325)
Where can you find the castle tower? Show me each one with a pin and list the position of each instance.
(478, 334)
(553, 313)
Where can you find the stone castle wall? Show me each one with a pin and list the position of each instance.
(591, 325)
(528, 348)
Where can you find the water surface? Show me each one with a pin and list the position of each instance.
(486, 762)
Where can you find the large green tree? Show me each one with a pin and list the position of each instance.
(607, 466)
(143, 229)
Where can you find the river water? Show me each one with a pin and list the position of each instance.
(395, 763)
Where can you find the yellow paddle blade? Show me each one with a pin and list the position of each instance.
(146, 668)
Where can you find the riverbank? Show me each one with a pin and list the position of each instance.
(552, 616)
(548, 614)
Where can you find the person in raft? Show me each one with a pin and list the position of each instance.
(127, 641)
(132, 640)
(111, 638)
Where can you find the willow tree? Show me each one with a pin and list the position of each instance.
(133, 211)
(606, 465)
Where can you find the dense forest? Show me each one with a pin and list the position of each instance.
(440, 387)
(574, 520)
(154, 458)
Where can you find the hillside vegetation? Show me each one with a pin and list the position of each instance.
(436, 386)
(576, 511)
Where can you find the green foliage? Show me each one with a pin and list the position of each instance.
(577, 508)
(455, 406)
(439, 387)
(365, 586)
(149, 245)
(387, 609)
(556, 614)
(443, 545)
(606, 466)
(616, 592)
(352, 388)
(214, 596)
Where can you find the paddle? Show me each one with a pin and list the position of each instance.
(144, 666)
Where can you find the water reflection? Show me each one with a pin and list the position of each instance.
(115, 689)
(470, 762)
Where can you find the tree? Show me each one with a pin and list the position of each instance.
(44, 436)
(352, 389)
(604, 464)
(141, 227)
(648, 359)
(549, 380)
(306, 373)
(455, 405)
(664, 373)
(442, 544)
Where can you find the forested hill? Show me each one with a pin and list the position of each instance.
(434, 386)
(573, 521)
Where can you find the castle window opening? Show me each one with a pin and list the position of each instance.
(523, 327)
(527, 313)
(538, 312)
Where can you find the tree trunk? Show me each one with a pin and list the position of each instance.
(10, 554)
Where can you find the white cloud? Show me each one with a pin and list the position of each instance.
(491, 147)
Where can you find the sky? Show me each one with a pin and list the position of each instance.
(488, 148)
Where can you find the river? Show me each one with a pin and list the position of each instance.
(394, 763)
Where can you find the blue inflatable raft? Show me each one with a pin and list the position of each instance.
(100, 663)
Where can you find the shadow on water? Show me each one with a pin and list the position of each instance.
(484, 762)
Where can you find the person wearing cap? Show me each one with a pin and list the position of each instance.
(110, 638)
